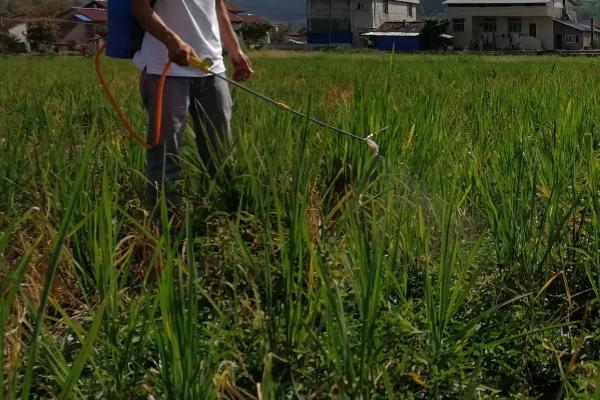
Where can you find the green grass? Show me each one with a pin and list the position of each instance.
(464, 263)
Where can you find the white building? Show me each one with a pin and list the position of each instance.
(503, 24)
(342, 21)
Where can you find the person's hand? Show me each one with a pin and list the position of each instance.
(241, 65)
(180, 52)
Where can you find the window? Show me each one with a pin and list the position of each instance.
(458, 25)
(386, 6)
(410, 10)
(571, 38)
(514, 25)
(360, 6)
(489, 24)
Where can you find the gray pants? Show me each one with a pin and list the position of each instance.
(208, 101)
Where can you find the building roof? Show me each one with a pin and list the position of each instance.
(248, 19)
(576, 25)
(90, 14)
(401, 27)
(497, 2)
(97, 4)
(398, 29)
(233, 8)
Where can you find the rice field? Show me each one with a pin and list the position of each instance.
(464, 263)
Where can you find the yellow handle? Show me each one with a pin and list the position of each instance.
(203, 65)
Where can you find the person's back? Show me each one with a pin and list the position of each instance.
(196, 23)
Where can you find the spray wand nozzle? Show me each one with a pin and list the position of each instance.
(206, 64)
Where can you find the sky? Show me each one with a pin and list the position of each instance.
(293, 11)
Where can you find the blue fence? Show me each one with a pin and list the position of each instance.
(323, 38)
(398, 43)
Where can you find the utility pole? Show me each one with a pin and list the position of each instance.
(330, 25)
(308, 16)
(3, 36)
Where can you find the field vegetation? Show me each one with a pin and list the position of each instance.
(463, 263)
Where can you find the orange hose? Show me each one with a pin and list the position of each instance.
(159, 104)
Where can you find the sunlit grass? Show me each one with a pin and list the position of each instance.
(464, 263)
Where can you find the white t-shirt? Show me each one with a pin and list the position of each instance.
(196, 23)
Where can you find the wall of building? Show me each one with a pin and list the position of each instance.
(362, 14)
(356, 16)
(318, 19)
(397, 11)
(462, 39)
(473, 36)
(502, 39)
(78, 34)
(587, 40)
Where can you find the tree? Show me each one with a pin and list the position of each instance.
(42, 33)
(254, 32)
(586, 8)
(34, 8)
(430, 36)
(9, 43)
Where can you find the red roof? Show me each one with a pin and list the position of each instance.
(232, 8)
(97, 4)
(235, 19)
(251, 18)
(94, 14)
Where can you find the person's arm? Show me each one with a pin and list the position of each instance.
(179, 51)
(241, 63)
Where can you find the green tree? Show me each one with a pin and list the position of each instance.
(254, 32)
(586, 8)
(34, 8)
(42, 33)
(9, 43)
(430, 36)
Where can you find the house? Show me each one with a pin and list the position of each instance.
(343, 21)
(81, 26)
(569, 35)
(397, 36)
(233, 11)
(238, 17)
(292, 35)
(504, 24)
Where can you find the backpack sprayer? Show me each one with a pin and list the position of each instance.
(125, 37)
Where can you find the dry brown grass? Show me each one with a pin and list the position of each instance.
(335, 96)
(65, 290)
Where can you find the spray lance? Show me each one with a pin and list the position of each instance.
(206, 66)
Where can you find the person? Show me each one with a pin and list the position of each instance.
(176, 30)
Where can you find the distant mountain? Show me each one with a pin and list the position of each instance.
(290, 11)
(430, 8)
